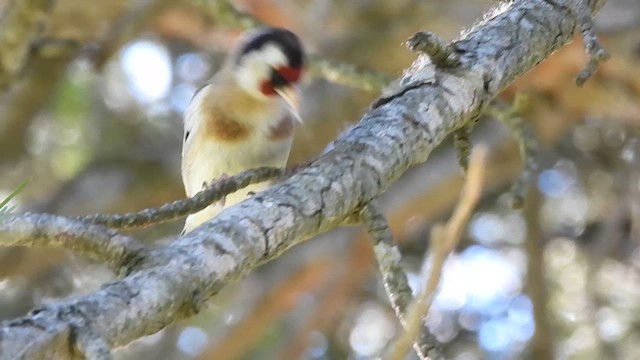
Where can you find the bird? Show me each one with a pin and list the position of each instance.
(243, 117)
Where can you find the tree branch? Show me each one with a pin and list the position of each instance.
(444, 239)
(96, 242)
(401, 132)
(395, 279)
(217, 190)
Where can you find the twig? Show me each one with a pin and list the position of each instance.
(541, 345)
(442, 54)
(173, 210)
(527, 142)
(394, 277)
(345, 74)
(444, 239)
(462, 144)
(595, 52)
(121, 253)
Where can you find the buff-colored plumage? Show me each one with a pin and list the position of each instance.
(228, 130)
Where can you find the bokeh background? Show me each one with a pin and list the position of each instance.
(98, 129)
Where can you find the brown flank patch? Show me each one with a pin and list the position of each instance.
(225, 129)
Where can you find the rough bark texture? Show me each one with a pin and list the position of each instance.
(174, 281)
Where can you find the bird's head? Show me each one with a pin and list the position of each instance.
(268, 64)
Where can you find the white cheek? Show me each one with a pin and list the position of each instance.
(256, 68)
(272, 55)
(250, 76)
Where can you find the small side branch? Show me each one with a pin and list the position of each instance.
(442, 53)
(345, 74)
(394, 277)
(462, 144)
(216, 191)
(596, 53)
(444, 239)
(96, 242)
(527, 143)
(348, 74)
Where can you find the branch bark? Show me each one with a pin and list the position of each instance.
(96, 242)
(401, 131)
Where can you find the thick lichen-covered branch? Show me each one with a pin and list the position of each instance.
(176, 279)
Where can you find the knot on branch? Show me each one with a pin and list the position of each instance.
(442, 53)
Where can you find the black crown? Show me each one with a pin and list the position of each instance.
(285, 39)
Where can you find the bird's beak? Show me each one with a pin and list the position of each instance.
(290, 95)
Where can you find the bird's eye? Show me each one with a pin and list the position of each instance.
(277, 80)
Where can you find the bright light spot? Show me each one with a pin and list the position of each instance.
(554, 183)
(470, 320)
(415, 281)
(520, 319)
(192, 341)
(443, 325)
(611, 325)
(181, 96)
(630, 151)
(506, 335)
(147, 65)
(192, 67)
(479, 278)
(568, 213)
(371, 332)
(487, 228)
(494, 336)
(4, 284)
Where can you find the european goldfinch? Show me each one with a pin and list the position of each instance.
(243, 117)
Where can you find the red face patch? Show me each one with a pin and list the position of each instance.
(266, 87)
(287, 75)
(292, 74)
